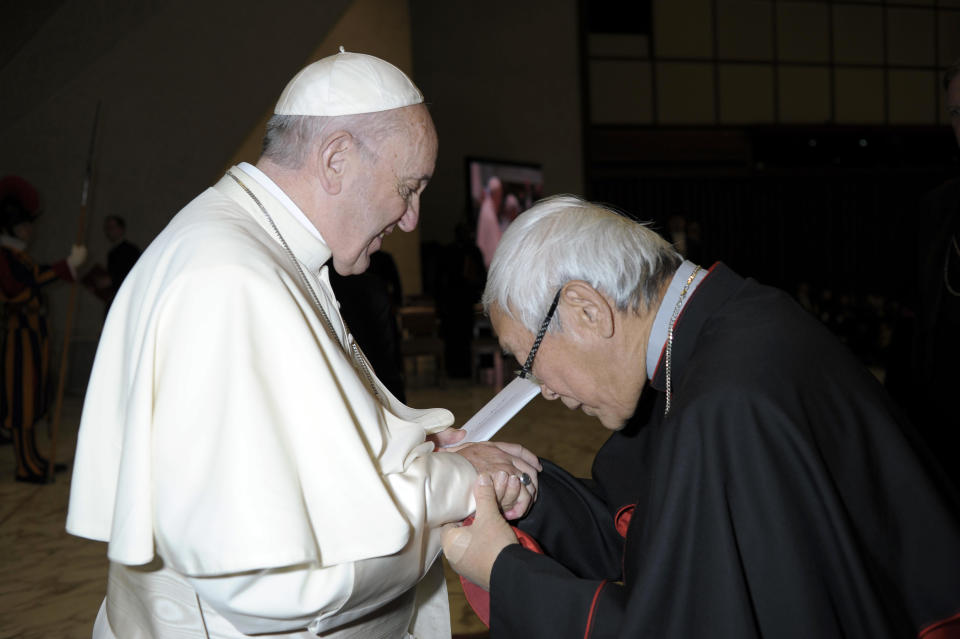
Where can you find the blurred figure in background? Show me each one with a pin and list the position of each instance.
(26, 344)
(368, 303)
(488, 220)
(461, 279)
(923, 371)
(123, 253)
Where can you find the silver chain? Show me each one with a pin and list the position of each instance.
(316, 300)
(673, 321)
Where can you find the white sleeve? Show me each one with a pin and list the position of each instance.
(321, 598)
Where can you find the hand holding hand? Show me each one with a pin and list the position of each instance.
(506, 464)
(472, 550)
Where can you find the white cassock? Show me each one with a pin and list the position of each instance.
(234, 455)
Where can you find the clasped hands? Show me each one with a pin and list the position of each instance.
(504, 463)
(472, 549)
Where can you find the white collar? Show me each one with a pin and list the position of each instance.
(12, 242)
(271, 186)
(661, 324)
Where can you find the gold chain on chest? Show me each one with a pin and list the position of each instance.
(673, 321)
(355, 355)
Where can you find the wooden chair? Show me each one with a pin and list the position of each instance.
(419, 337)
(485, 344)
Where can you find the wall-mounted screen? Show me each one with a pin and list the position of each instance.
(498, 192)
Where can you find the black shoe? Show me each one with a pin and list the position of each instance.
(59, 467)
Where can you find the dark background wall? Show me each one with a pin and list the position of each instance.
(798, 134)
(179, 85)
(503, 80)
(802, 158)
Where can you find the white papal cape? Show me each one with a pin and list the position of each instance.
(233, 453)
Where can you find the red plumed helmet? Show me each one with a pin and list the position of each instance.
(19, 202)
(24, 192)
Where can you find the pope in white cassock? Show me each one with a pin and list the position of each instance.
(249, 471)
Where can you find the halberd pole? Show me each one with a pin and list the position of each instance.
(71, 305)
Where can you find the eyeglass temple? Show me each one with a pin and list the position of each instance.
(543, 329)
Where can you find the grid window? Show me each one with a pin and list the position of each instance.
(722, 62)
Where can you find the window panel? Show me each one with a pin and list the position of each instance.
(949, 28)
(620, 92)
(746, 94)
(804, 94)
(683, 28)
(685, 93)
(785, 61)
(859, 96)
(744, 30)
(803, 32)
(857, 34)
(624, 45)
(910, 36)
(912, 98)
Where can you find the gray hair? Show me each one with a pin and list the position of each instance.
(564, 238)
(290, 138)
(952, 71)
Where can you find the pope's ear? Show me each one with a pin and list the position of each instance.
(587, 309)
(331, 158)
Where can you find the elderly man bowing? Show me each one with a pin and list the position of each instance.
(761, 487)
(248, 469)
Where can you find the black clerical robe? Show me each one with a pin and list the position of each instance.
(781, 497)
(120, 261)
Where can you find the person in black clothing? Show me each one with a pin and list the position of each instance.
(758, 482)
(923, 373)
(122, 256)
(461, 277)
(368, 303)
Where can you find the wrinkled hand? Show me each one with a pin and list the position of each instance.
(78, 255)
(471, 550)
(504, 463)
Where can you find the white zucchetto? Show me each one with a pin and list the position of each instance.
(347, 84)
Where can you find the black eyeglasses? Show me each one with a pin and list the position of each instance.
(524, 372)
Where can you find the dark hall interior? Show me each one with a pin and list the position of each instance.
(793, 140)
